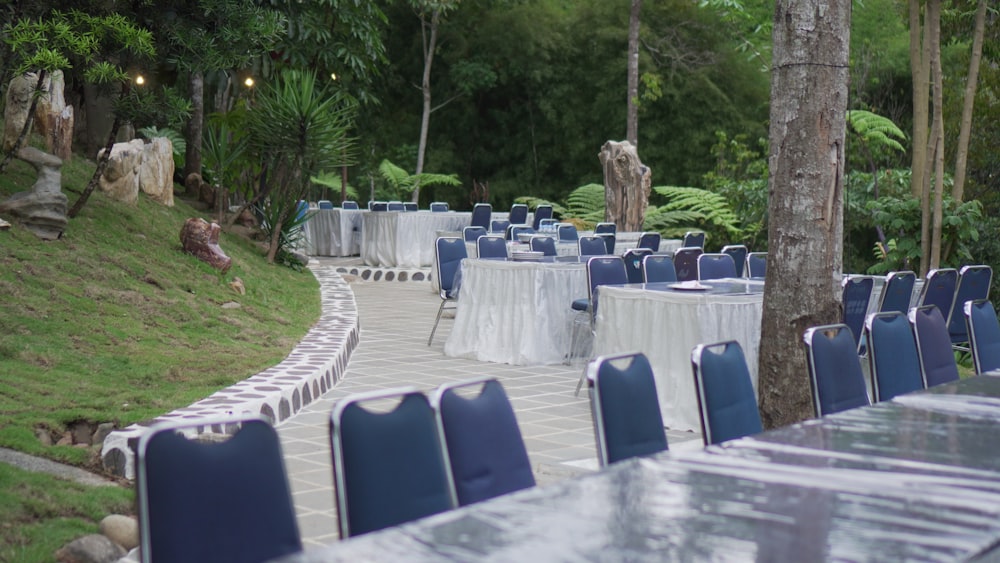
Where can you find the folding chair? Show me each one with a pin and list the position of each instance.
(541, 212)
(973, 284)
(633, 258)
(650, 240)
(624, 407)
(545, 245)
(591, 246)
(499, 226)
(658, 268)
(609, 241)
(566, 232)
(378, 206)
(727, 403)
(202, 501)
(348, 204)
(757, 265)
(472, 234)
(937, 361)
(439, 206)
(897, 292)
(686, 263)
(984, 334)
(835, 375)
(856, 295)
(601, 270)
(939, 290)
(325, 204)
(395, 206)
(448, 256)
(605, 229)
(694, 238)
(518, 214)
(514, 232)
(410, 206)
(714, 266)
(892, 355)
(482, 214)
(739, 255)
(491, 246)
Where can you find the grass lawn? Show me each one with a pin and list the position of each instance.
(115, 323)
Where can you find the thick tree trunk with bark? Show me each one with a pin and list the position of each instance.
(192, 155)
(962, 153)
(627, 183)
(632, 127)
(920, 67)
(809, 88)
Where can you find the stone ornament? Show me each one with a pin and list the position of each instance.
(201, 239)
(42, 209)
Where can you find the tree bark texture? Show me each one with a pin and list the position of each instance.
(933, 23)
(809, 89)
(627, 183)
(962, 153)
(196, 124)
(920, 67)
(632, 126)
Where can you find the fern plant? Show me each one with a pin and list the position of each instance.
(402, 183)
(332, 180)
(878, 133)
(693, 208)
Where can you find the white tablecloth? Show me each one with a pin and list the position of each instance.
(334, 232)
(516, 312)
(573, 248)
(666, 325)
(405, 239)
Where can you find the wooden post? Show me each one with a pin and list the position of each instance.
(627, 183)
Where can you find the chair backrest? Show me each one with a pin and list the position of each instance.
(739, 254)
(410, 206)
(396, 206)
(937, 361)
(892, 355)
(378, 206)
(650, 240)
(369, 448)
(897, 292)
(984, 334)
(541, 212)
(348, 204)
(325, 204)
(694, 238)
(727, 403)
(518, 214)
(567, 232)
(301, 208)
(515, 232)
(603, 270)
(856, 294)
(546, 224)
(214, 501)
(545, 245)
(472, 234)
(939, 290)
(482, 214)
(609, 241)
(658, 268)
(605, 228)
(499, 226)
(625, 408)
(448, 256)
(592, 246)
(756, 264)
(973, 284)
(485, 451)
(633, 258)
(686, 263)
(713, 266)
(491, 246)
(835, 374)
(439, 206)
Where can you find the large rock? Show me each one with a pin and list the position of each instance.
(156, 172)
(18, 103)
(94, 548)
(121, 529)
(54, 119)
(42, 210)
(120, 179)
(201, 238)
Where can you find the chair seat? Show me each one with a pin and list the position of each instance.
(582, 304)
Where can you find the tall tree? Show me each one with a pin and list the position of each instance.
(632, 128)
(972, 79)
(809, 88)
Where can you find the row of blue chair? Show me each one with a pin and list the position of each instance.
(482, 216)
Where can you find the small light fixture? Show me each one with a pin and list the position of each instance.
(333, 76)
(140, 80)
(248, 82)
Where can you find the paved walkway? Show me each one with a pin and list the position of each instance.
(396, 319)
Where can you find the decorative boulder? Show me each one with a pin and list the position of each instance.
(201, 239)
(15, 111)
(54, 118)
(156, 171)
(94, 548)
(120, 179)
(42, 210)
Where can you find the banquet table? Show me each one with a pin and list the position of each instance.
(406, 239)
(915, 478)
(333, 232)
(517, 312)
(622, 244)
(665, 324)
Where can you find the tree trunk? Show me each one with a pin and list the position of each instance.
(933, 23)
(632, 126)
(809, 90)
(343, 184)
(920, 68)
(28, 122)
(962, 151)
(627, 183)
(425, 88)
(192, 154)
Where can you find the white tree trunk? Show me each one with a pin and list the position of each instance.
(425, 87)
(632, 126)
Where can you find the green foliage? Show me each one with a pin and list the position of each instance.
(402, 183)
(879, 134)
(585, 203)
(693, 208)
(333, 181)
(163, 107)
(207, 35)
(177, 142)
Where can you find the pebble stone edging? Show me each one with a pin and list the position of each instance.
(316, 364)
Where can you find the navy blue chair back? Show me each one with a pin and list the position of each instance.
(546, 224)
(499, 226)
(439, 206)
(541, 212)
(567, 232)
(892, 355)
(214, 501)
(448, 255)
(897, 292)
(856, 295)
(939, 290)
(491, 246)
(650, 240)
(604, 270)
(410, 206)
(694, 238)
(625, 408)
(605, 229)
(835, 372)
(518, 214)
(973, 283)
(937, 361)
(739, 255)
(714, 266)
(325, 204)
(757, 265)
(482, 215)
(984, 334)
(727, 403)
(379, 206)
(592, 246)
(686, 263)
(545, 245)
(658, 268)
(348, 204)
(609, 241)
(515, 232)
(633, 258)
(472, 234)
(486, 454)
(396, 206)
(388, 467)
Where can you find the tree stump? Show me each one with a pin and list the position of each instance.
(42, 210)
(627, 183)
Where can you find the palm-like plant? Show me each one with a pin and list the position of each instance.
(403, 183)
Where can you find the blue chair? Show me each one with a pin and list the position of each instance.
(348, 204)
(491, 246)
(395, 206)
(499, 226)
(547, 224)
(686, 263)
(892, 355)
(448, 256)
(601, 270)
(633, 258)
(625, 408)
(739, 254)
(757, 265)
(566, 232)
(410, 206)
(713, 266)
(472, 234)
(301, 209)
(856, 295)
(325, 204)
(727, 403)
(518, 214)
(482, 215)
(591, 246)
(545, 245)
(694, 238)
(378, 206)
(542, 212)
(214, 501)
(984, 334)
(897, 292)
(605, 229)
(388, 467)
(609, 241)
(650, 240)
(973, 284)
(835, 374)
(514, 232)
(485, 452)
(939, 290)
(439, 206)
(658, 268)
(937, 361)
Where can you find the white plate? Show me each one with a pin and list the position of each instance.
(690, 286)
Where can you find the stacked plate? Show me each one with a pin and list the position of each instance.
(526, 256)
